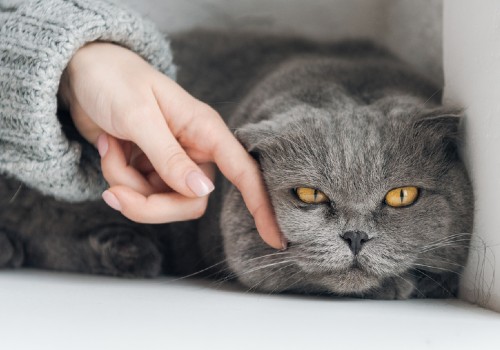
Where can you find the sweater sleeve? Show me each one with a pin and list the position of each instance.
(37, 40)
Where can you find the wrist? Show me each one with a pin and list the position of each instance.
(65, 94)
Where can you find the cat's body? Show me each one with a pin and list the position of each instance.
(347, 119)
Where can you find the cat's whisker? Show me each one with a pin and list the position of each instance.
(291, 276)
(297, 280)
(269, 275)
(14, 196)
(262, 257)
(438, 283)
(430, 267)
(450, 239)
(412, 284)
(446, 242)
(199, 271)
(442, 260)
(257, 268)
(434, 94)
(466, 236)
(455, 235)
(271, 255)
(225, 269)
(446, 245)
(217, 103)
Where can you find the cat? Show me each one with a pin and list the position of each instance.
(360, 159)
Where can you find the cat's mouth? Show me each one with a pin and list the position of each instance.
(356, 265)
(352, 280)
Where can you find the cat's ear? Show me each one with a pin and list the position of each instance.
(254, 137)
(441, 128)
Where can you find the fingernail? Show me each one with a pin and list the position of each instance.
(199, 183)
(102, 144)
(111, 200)
(284, 243)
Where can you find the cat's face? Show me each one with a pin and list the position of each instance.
(353, 241)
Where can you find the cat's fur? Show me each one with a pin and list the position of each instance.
(347, 118)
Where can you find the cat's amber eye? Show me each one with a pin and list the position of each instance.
(401, 196)
(311, 195)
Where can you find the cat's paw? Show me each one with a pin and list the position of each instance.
(11, 250)
(392, 288)
(122, 251)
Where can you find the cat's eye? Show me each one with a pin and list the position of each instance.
(401, 196)
(311, 195)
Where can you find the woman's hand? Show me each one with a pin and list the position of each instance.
(157, 142)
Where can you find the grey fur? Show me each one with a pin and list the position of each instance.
(346, 118)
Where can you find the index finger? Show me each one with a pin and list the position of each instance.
(243, 171)
(201, 126)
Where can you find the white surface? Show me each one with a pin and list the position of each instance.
(472, 76)
(40, 310)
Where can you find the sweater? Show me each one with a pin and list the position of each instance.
(37, 40)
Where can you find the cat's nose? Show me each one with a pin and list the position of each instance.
(355, 239)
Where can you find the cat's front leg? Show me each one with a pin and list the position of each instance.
(123, 251)
(116, 249)
(11, 250)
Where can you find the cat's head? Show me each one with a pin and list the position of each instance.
(364, 195)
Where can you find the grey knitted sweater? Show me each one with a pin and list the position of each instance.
(37, 40)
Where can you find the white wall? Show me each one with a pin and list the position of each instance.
(413, 29)
(410, 28)
(472, 77)
(318, 18)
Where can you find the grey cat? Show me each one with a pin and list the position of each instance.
(360, 159)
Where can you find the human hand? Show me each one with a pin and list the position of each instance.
(157, 142)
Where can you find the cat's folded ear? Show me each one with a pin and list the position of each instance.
(440, 127)
(254, 137)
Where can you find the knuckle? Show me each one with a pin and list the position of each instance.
(175, 158)
(239, 179)
(134, 115)
(139, 111)
(108, 173)
(207, 112)
(255, 211)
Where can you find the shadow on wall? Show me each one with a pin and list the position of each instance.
(390, 22)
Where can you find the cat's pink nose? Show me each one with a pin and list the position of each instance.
(355, 240)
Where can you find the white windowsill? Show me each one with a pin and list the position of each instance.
(43, 310)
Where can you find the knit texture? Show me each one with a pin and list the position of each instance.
(37, 40)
